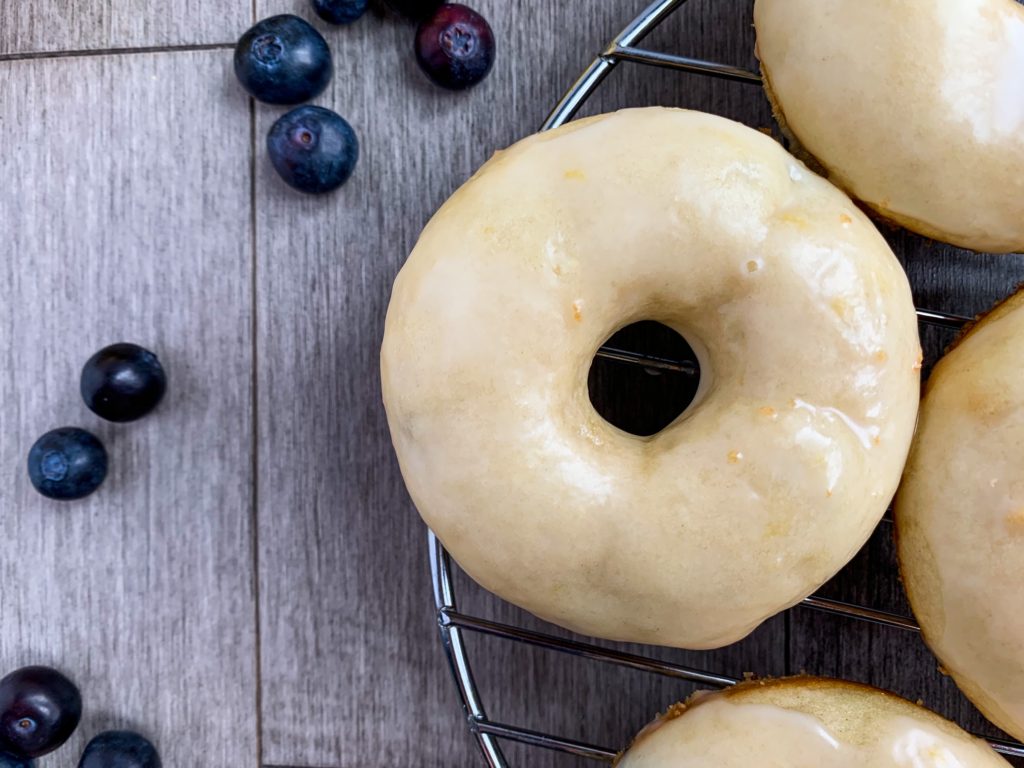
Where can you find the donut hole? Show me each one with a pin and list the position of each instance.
(644, 399)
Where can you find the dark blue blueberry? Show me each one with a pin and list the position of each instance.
(39, 710)
(120, 749)
(413, 9)
(67, 463)
(340, 11)
(313, 149)
(455, 47)
(123, 382)
(10, 761)
(283, 60)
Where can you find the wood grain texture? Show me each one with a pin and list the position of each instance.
(127, 214)
(37, 26)
(352, 671)
(125, 218)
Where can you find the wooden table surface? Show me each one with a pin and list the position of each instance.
(250, 587)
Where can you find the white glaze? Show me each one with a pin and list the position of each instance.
(915, 106)
(960, 516)
(876, 731)
(763, 489)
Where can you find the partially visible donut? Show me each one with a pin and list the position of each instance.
(805, 723)
(960, 515)
(763, 488)
(915, 107)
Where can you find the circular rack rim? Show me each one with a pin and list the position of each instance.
(452, 624)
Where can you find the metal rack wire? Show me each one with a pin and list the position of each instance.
(453, 624)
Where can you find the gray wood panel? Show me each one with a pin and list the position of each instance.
(351, 668)
(36, 26)
(126, 216)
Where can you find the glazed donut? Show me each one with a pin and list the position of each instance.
(763, 488)
(805, 723)
(960, 516)
(915, 107)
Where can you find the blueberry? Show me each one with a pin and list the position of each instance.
(414, 9)
(120, 749)
(455, 47)
(340, 11)
(10, 761)
(313, 149)
(283, 60)
(39, 710)
(123, 382)
(67, 463)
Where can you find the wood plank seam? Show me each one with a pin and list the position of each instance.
(116, 51)
(255, 420)
(255, 511)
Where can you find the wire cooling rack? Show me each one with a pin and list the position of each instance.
(453, 624)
